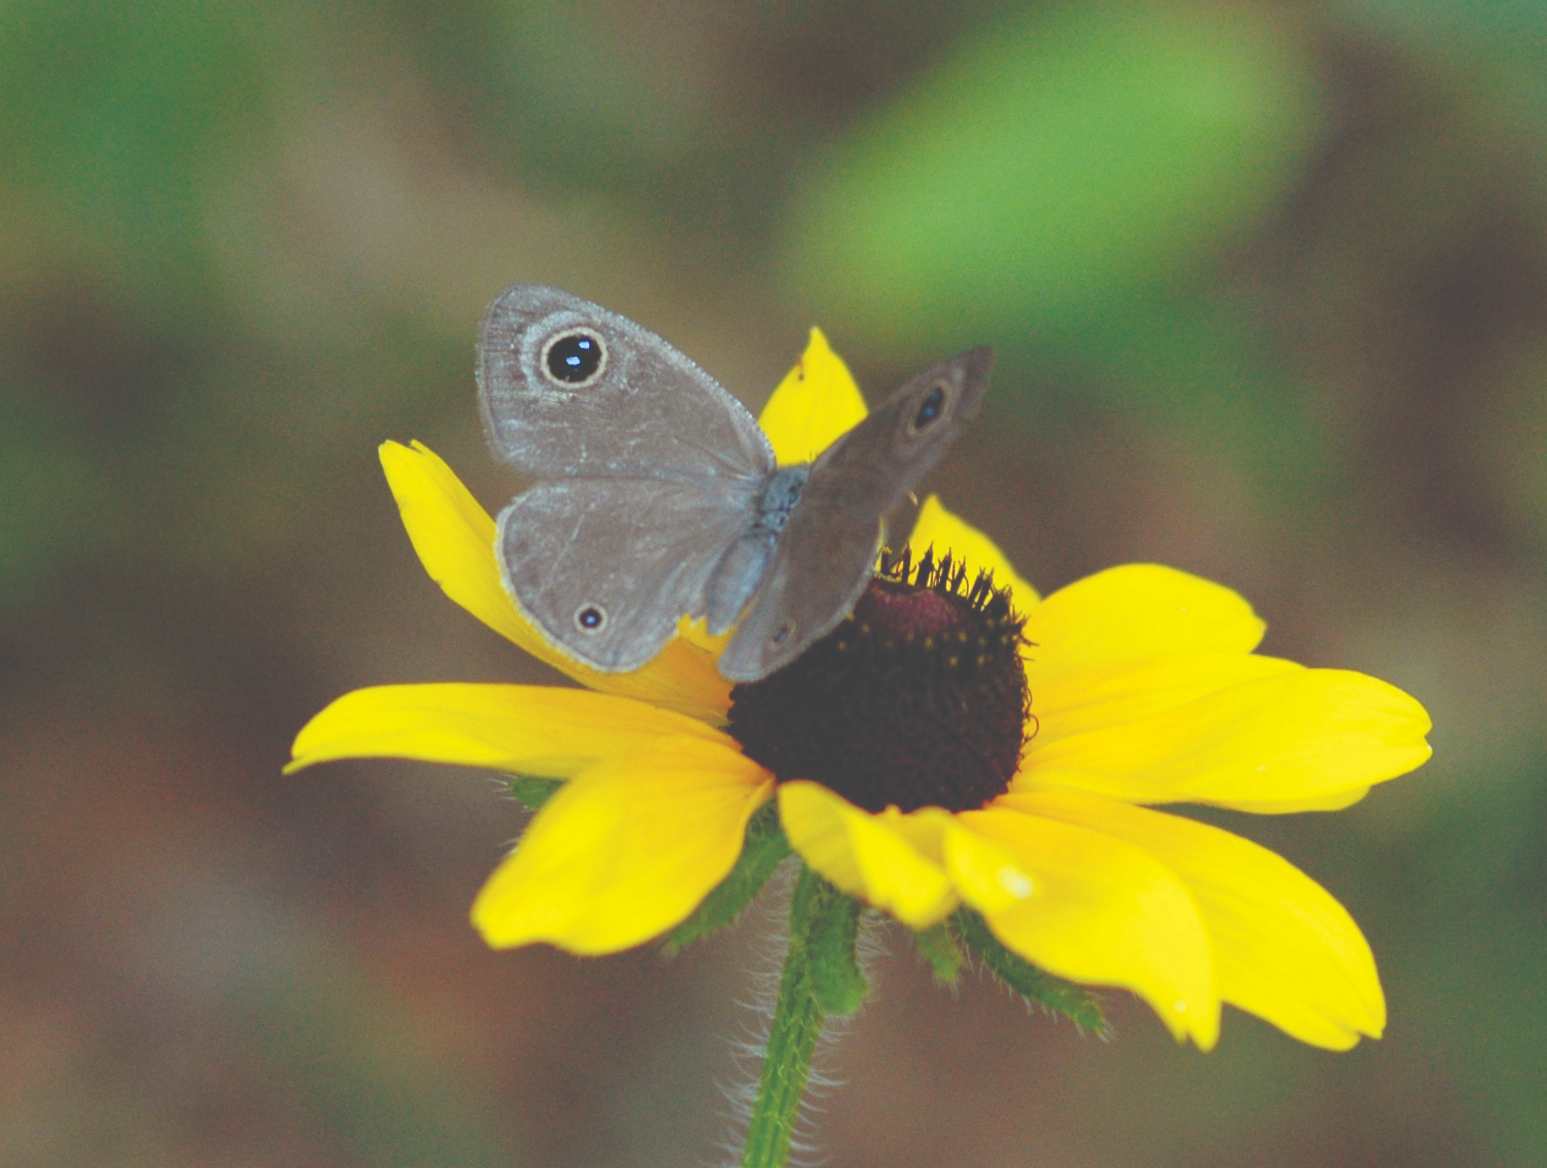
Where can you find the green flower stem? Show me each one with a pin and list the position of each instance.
(797, 1023)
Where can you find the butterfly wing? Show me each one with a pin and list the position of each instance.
(569, 389)
(604, 567)
(651, 471)
(825, 554)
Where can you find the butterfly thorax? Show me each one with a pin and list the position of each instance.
(741, 569)
(779, 497)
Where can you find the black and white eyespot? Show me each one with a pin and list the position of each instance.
(590, 618)
(782, 633)
(573, 357)
(931, 408)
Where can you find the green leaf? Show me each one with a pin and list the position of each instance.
(765, 846)
(1025, 980)
(1065, 156)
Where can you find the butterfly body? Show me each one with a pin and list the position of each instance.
(659, 496)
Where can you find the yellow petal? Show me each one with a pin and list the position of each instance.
(527, 729)
(891, 860)
(1284, 949)
(696, 633)
(946, 531)
(1110, 697)
(454, 538)
(815, 403)
(1132, 612)
(626, 850)
(1088, 907)
(1295, 739)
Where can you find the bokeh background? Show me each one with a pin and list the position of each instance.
(1267, 283)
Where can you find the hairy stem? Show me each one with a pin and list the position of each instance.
(797, 1023)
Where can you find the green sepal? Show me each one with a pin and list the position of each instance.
(837, 983)
(1025, 980)
(765, 846)
(937, 946)
(531, 792)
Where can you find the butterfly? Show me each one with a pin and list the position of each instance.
(658, 496)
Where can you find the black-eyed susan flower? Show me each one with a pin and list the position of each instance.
(961, 753)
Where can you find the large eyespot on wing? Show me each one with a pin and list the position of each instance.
(568, 388)
(826, 552)
(603, 568)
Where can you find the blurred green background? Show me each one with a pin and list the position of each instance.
(1269, 288)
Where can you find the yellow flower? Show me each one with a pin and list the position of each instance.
(1144, 688)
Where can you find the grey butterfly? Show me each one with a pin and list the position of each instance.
(658, 496)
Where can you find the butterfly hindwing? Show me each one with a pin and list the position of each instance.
(605, 567)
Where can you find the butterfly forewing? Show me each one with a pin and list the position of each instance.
(569, 389)
(826, 552)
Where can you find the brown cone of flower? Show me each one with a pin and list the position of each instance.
(917, 700)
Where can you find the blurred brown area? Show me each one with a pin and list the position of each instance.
(1287, 330)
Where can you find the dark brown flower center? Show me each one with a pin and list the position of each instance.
(917, 700)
